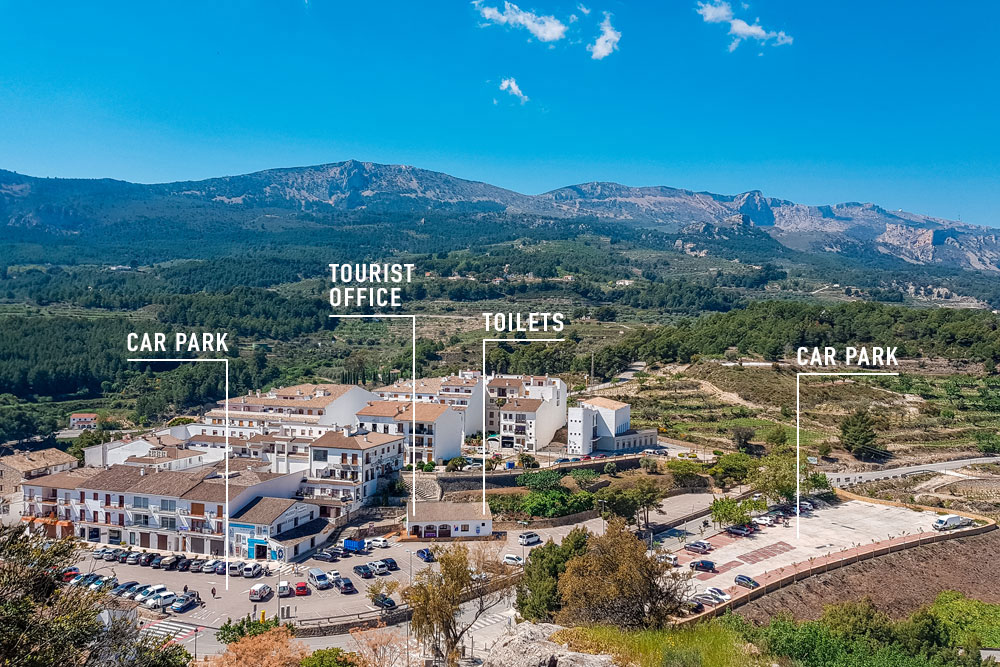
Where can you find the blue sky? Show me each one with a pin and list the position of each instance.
(891, 102)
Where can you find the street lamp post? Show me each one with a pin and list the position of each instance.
(410, 618)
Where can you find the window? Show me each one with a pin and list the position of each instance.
(168, 505)
(168, 522)
(464, 527)
(142, 519)
(320, 455)
(140, 502)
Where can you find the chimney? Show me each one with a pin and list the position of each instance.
(347, 431)
(142, 471)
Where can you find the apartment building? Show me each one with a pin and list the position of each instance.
(148, 508)
(438, 435)
(346, 466)
(311, 409)
(604, 424)
(83, 420)
(525, 411)
(277, 529)
(465, 392)
(15, 469)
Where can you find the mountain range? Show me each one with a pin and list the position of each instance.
(293, 197)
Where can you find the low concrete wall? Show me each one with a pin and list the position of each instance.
(554, 522)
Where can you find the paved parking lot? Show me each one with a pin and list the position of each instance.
(826, 531)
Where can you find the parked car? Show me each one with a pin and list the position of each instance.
(741, 531)
(184, 564)
(284, 590)
(719, 593)
(562, 460)
(170, 562)
(160, 600)
(383, 601)
(528, 538)
(83, 579)
(220, 569)
(697, 548)
(574, 460)
(112, 556)
(702, 565)
(186, 601)
(324, 555)
(949, 522)
(209, 566)
(146, 559)
(337, 552)
(156, 562)
(133, 558)
(763, 520)
(121, 588)
(705, 598)
(513, 559)
(425, 555)
(391, 564)
(363, 571)
(302, 588)
(694, 607)
(132, 591)
(236, 569)
(98, 554)
(345, 585)
(69, 573)
(259, 592)
(378, 567)
(745, 581)
(318, 578)
(251, 570)
(380, 542)
(102, 583)
(123, 556)
(668, 558)
(148, 593)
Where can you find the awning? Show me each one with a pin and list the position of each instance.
(66, 524)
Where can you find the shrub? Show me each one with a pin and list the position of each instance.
(429, 466)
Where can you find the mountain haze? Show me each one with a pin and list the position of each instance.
(287, 198)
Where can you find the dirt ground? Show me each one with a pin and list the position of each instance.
(899, 583)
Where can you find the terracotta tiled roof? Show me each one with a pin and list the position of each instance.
(521, 405)
(337, 440)
(601, 402)
(69, 479)
(263, 510)
(117, 478)
(28, 461)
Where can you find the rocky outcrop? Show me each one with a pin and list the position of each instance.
(529, 646)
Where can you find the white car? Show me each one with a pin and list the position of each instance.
(763, 521)
(378, 567)
(209, 567)
(512, 559)
(719, 593)
(150, 592)
(160, 600)
(333, 575)
(378, 542)
(668, 558)
(259, 592)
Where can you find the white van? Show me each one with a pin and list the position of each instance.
(259, 592)
(160, 600)
(236, 569)
(318, 578)
(252, 570)
(524, 539)
(284, 590)
(949, 521)
(150, 592)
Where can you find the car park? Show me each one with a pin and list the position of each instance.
(391, 564)
(383, 601)
(133, 558)
(318, 578)
(425, 555)
(528, 538)
(746, 582)
(741, 531)
(301, 588)
(284, 589)
(345, 585)
(160, 600)
(719, 593)
(146, 559)
(378, 567)
(186, 601)
(363, 571)
(184, 564)
(702, 566)
(121, 588)
(379, 542)
(150, 592)
(513, 559)
(134, 591)
(259, 592)
(324, 555)
(251, 570)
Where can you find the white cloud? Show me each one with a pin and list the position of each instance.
(583, 10)
(544, 28)
(510, 85)
(607, 41)
(720, 11)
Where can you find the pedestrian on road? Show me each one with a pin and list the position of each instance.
(213, 592)
(185, 588)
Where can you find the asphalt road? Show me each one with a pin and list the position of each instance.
(844, 479)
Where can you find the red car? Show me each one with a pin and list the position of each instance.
(302, 588)
(585, 458)
(69, 573)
